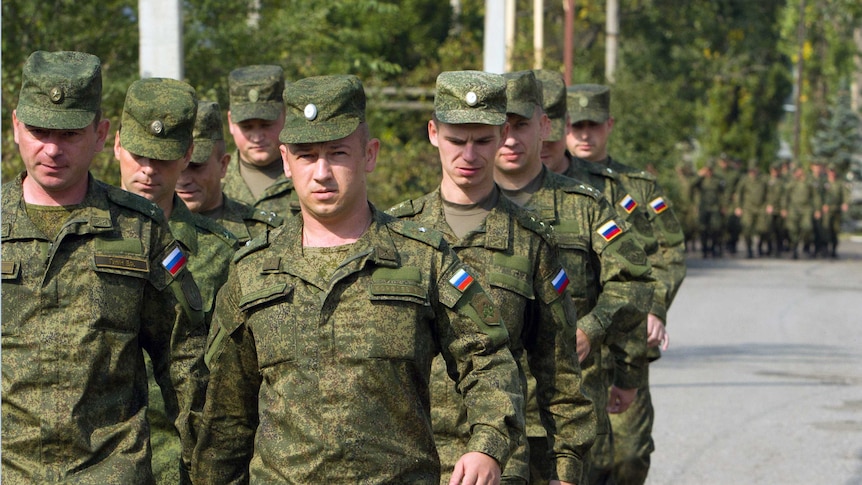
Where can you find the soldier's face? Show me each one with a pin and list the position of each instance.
(57, 161)
(554, 155)
(589, 140)
(329, 177)
(199, 184)
(522, 147)
(257, 140)
(154, 180)
(466, 155)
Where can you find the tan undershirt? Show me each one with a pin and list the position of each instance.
(522, 196)
(465, 218)
(259, 179)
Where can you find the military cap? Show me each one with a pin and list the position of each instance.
(470, 97)
(158, 118)
(523, 93)
(588, 102)
(207, 131)
(60, 90)
(256, 93)
(322, 108)
(753, 165)
(553, 101)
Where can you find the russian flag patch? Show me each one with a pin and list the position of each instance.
(658, 205)
(628, 203)
(462, 280)
(174, 261)
(561, 281)
(610, 230)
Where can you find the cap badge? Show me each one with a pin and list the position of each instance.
(157, 127)
(310, 112)
(57, 95)
(583, 101)
(471, 98)
(253, 95)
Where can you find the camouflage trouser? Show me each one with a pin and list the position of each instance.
(633, 443)
(800, 228)
(601, 463)
(164, 439)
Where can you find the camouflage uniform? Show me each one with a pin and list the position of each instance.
(242, 220)
(320, 357)
(836, 199)
(709, 193)
(750, 197)
(322, 377)
(774, 204)
(77, 311)
(514, 261)
(801, 201)
(279, 198)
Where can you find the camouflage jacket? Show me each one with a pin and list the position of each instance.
(517, 264)
(751, 194)
(77, 312)
(244, 221)
(279, 197)
(323, 378)
(802, 197)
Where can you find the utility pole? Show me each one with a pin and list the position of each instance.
(538, 33)
(494, 49)
(161, 34)
(569, 39)
(797, 115)
(510, 33)
(612, 30)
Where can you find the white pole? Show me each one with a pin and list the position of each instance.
(161, 31)
(612, 31)
(510, 33)
(538, 33)
(494, 55)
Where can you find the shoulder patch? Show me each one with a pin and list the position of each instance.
(252, 246)
(404, 209)
(658, 205)
(609, 230)
(628, 204)
(134, 202)
(417, 231)
(175, 261)
(213, 227)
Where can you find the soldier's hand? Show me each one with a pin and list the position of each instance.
(476, 468)
(584, 346)
(621, 399)
(656, 332)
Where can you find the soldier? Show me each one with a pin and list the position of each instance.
(688, 214)
(801, 206)
(199, 184)
(91, 279)
(609, 271)
(836, 201)
(324, 334)
(708, 190)
(255, 175)
(640, 199)
(820, 182)
(154, 145)
(553, 154)
(750, 207)
(774, 200)
(727, 169)
(513, 257)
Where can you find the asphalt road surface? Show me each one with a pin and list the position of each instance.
(762, 383)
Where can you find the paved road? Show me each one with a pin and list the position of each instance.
(763, 380)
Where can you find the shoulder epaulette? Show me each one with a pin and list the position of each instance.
(134, 202)
(529, 221)
(211, 226)
(417, 231)
(267, 217)
(406, 209)
(642, 174)
(252, 246)
(581, 188)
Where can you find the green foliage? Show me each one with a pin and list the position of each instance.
(838, 137)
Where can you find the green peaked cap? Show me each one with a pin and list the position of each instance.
(322, 108)
(158, 118)
(470, 97)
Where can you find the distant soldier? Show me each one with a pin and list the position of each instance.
(727, 169)
(255, 175)
(801, 206)
(687, 207)
(153, 146)
(749, 203)
(836, 201)
(820, 182)
(200, 187)
(709, 190)
(774, 205)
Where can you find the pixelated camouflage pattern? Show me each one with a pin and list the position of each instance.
(158, 118)
(207, 130)
(322, 108)
(60, 90)
(470, 97)
(255, 92)
(523, 93)
(801, 199)
(588, 102)
(610, 281)
(553, 101)
(77, 313)
(750, 196)
(209, 248)
(325, 380)
(515, 261)
(633, 441)
(279, 198)
(242, 220)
